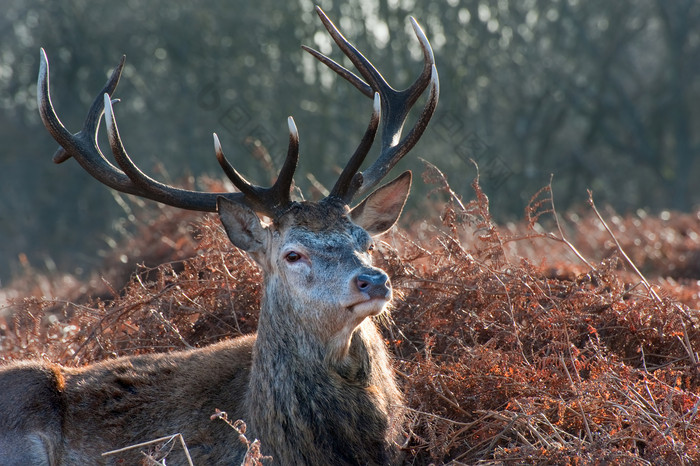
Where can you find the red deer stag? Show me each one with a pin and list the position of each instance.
(315, 384)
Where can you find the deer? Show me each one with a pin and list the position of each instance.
(315, 384)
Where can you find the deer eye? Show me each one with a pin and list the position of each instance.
(292, 256)
(370, 248)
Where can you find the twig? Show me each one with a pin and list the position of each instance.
(562, 237)
(159, 315)
(166, 439)
(622, 251)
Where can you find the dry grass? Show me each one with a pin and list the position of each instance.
(519, 344)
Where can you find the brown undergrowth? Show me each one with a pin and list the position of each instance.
(520, 344)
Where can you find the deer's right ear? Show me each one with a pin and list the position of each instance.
(381, 209)
(242, 225)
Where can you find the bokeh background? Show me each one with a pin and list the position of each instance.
(603, 95)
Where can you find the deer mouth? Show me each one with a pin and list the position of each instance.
(369, 307)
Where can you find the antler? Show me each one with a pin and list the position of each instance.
(395, 106)
(130, 179)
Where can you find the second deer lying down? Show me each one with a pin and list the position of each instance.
(315, 384)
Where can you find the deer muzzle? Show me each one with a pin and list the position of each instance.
(374, 284)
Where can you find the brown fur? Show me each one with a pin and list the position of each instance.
(125, 401)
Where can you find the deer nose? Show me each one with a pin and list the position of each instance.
(375, 284)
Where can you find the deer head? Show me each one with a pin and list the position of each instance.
(317, 262)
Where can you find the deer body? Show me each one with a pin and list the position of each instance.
(315, 384)
(71, 416)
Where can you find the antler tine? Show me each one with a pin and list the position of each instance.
(236, 178)
(417, 88)
(366, 69)
(148, 187)
(395, 104)
(349, 180)
(391, 154)
(270, 201)
(345, 73)
(79, 142)
(283, 184)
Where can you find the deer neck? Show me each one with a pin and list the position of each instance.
(307, 406)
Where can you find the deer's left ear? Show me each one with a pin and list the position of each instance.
(381, 209)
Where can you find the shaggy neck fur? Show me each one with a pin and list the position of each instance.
(307, 409)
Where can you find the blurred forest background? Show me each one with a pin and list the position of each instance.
(604, 95)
